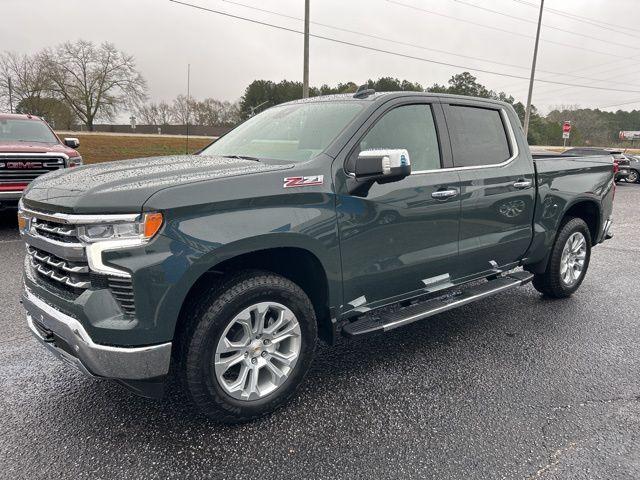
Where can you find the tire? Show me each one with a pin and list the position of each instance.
(220, 322)
(553, 282)
(634, 176)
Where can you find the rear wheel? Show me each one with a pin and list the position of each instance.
(568, 262)
(250, 346)
(633, 177)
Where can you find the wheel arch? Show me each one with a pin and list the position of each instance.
(588, 210)
(300, 265)
(585, 208)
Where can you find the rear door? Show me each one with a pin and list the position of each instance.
(497, 186)
(400, 238)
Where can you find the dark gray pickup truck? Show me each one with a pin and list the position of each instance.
(304, 222)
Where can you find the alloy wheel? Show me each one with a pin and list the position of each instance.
(573, 258)
(257, 351)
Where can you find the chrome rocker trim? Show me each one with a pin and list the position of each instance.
(136, 363)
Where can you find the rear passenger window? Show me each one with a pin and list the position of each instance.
(478, 136)
(411, 127)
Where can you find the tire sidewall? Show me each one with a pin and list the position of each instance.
(206, 389)
(569, 228)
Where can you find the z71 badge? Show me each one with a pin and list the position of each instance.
(303, 181)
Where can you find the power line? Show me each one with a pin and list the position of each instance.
(578, 18)
(397, 42)
(378, 37)
(556, 90)
(389, 52)
(582, 69)
(490, 27)
(527, 20)
(637, 100)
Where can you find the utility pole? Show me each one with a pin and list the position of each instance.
(527, 114)
(305, 67)
(186, 148)
(10, 96)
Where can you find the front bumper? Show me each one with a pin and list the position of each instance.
(66, 338)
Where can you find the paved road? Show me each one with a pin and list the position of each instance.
(512, 387)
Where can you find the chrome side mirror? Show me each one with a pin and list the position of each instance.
(72, 142)
(385, 165)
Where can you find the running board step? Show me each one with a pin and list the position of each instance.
(428, 308)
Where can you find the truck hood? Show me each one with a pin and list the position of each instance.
(125, 185)
(24, 147)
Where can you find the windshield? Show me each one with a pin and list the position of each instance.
(15, 130)
(292, 133)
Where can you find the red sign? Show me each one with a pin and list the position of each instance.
(566, 127)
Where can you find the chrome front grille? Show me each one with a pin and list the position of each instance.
(53, 268)
(23, 169)
(58, 258)
(64, 233)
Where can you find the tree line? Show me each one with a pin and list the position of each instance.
(589, 126)
(183, 110)
(81, 82)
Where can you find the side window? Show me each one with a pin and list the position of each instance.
(411, 127)
(478, 136)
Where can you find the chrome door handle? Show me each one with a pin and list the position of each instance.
(522, 184)
(444, 194)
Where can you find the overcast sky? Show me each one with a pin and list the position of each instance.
(226, 54)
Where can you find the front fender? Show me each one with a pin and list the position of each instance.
(194, 242)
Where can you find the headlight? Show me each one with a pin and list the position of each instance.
(143, 229)
(74, 162)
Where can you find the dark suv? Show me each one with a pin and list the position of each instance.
(30, 148)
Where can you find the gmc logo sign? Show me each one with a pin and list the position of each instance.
(22, 165)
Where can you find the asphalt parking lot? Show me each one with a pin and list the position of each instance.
(513, 387)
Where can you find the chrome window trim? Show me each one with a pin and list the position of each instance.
(76, 219)
(513, 142)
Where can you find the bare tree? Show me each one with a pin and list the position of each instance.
(28, 75)
(208, 112)
(231, 114)
(183, 109)
(96, 81)
(155, 113)
(165, 113)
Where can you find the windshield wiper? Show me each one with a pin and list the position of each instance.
(243, 157)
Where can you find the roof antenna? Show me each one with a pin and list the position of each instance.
(363, 92)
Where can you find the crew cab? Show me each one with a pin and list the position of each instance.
(334, 216)
(30, 148)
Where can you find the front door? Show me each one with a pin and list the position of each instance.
(399, 239)
(497, 189)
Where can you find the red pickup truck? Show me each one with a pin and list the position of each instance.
(29, 148)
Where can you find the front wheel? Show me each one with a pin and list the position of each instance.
(633, 176)
(250, 346)
(569, 261)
